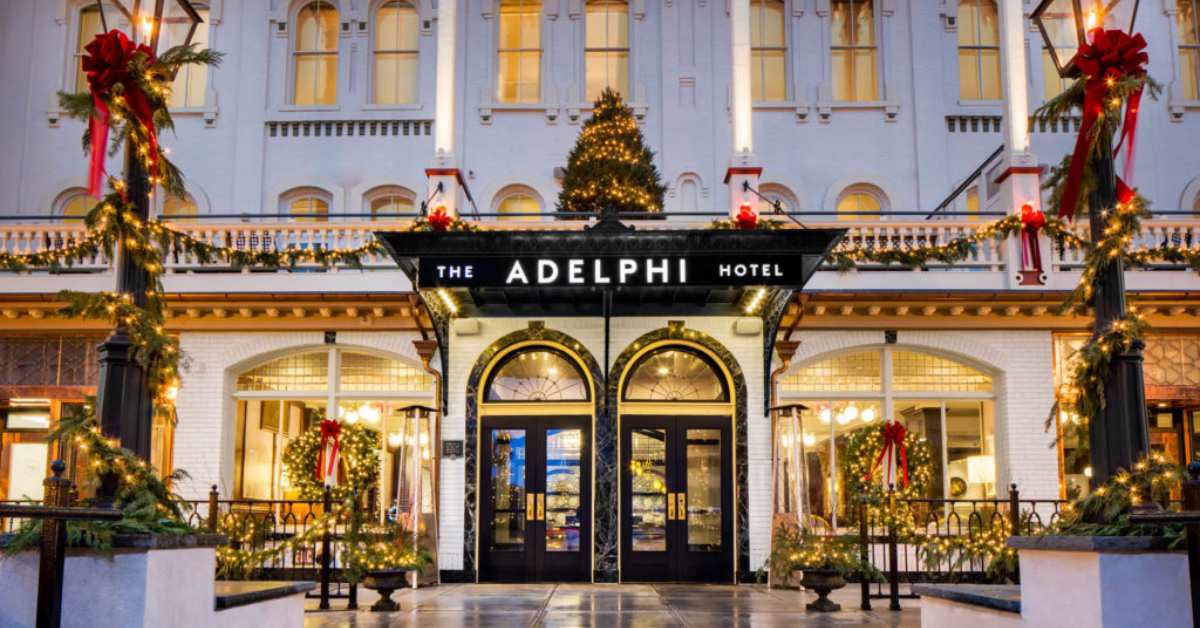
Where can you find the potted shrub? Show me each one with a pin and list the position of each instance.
(824, 561)
(381, 559)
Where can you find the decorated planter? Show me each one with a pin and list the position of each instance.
(385, 581)
(822, 581)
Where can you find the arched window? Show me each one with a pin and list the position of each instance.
(1188, 21)
(775, 193)
(854, 52)
(518, 203)
(188, 89)
(519, 79)
(388, 202)
(944, 401)
(279, 400)
(1060, 27)
(395, 67)
(74, 203)
(179, 207)
(537, 374)
(978, 50)
(860, 202)
(768, 50)
(675, 373)
(606, 49)
(306, 204)
(315, 55)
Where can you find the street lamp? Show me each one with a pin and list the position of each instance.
(124, 407)
(1118, 436)
(1065, 23)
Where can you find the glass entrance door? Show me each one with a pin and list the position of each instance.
(676, 499)
(535, 499)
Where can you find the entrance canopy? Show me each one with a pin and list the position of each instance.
(643, 271)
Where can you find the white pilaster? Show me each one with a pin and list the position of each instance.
(1018, 172)
(741, 87)
(444, 179)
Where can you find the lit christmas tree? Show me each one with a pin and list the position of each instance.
(610, 168)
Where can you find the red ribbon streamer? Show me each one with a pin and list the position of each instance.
(107, 64)
(893, 438)
(330, 429)
(1032, 221)
(1110, 56)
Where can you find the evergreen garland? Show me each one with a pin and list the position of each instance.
(610, 168)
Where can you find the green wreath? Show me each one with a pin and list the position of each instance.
(358, 455)
(863, 447)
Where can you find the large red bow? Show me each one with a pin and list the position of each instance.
(746, 218)
(439, 218)
(107, 63)
(330, 430)
(1111, 56)
(893, 444)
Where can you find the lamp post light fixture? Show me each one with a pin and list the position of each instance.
(1118, 435)
(1065, 23)
(124, 406)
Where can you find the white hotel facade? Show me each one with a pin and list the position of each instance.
(332, 119)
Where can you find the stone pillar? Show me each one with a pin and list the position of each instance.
(1018, 173)
(444, 179)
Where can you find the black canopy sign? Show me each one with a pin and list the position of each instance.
(607, 271)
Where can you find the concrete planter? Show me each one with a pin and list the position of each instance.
(151, 580)
(1114, 582)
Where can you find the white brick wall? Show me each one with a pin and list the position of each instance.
(465, 350)
(203, 435)
(1020, 361)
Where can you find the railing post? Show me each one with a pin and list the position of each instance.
(356, 505)
(327, 502)
(864, 549)
(1014, 509)
(212, 509)
(1191, 502)
(54, 550)
(893, 554)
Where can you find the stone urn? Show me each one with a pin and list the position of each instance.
(385, 581)
(822, 581)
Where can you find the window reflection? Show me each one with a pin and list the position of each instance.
(703, 505)
(564, 479)
(508, 490)
(648, 477)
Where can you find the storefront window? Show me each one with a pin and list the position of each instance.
(280, 399)
(946, 403)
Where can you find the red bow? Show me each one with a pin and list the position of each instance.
(439, 219)
(1111, 56)
(746, 218)
(893, 438)
(330, 429)
(107, 63)
(1032, 221)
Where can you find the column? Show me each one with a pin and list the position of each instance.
(743, 168)
(1019, 180)
(444, 179)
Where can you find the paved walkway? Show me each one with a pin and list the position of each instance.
(616, 606)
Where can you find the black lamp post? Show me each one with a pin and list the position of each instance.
(1118, 436)
(123, 404)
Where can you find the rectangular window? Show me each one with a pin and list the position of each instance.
(855, 57)
(1061, 29)
(395, 71)
(606, 52)
(978, 50)
(1188, 17)
(188, 88)
(520, 52)
(90, 25)
(768, 50)
(316, 55)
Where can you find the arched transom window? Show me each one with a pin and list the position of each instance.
(675, 374)
(537, 374)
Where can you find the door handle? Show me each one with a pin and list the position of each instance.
(541, 506)
(681, 510)
(530, 513)
(670, 506)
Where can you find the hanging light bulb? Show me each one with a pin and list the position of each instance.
(350, 417)
(395, 439)
(369, 413)
(424, 439)
(851, 412)
(826, 415)
(809, 439)
(844, 417)
(868, 415)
